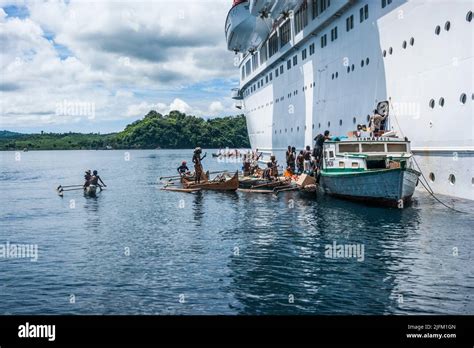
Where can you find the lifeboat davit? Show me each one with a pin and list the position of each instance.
(243, 31)
(283, 6)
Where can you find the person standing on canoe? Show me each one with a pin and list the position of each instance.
(300, 162)
(183, 169)
(95, 180)
(292, 159)
(197, 164)
(87, 178)
(318, 147)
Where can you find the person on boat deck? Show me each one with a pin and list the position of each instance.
(300, 162)
(307, 159)
(274, 163)
(183, 169)
(376, 121)
(292, 159)
(267, 172)
(287, 154)
(197, 164)
(318, 146)
(95, 180)
(87, 178)
(246, 165)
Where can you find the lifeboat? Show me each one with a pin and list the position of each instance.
(260, 7)
(284, 6)
(243, 31)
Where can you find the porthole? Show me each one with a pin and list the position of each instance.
(469, 16)
(367, 61)
(404, 45)
(390, 50)
(332, 77)
(362, 63)
(280, 131)
(286, 130)
(452, 179)
(412, 41)
(313, 125)
(275, 132)
(437, 30)
(463, 98)
(441, 102)
(319, 125)
(384, 53)
(447, 26)
(368, 118)
(337, 74)
(432, 177)
(297, 129)
(329, 123)
(348, 69)
(432, 103)
(354, 120)
(352, 67)
(340, 122)
(291, 129)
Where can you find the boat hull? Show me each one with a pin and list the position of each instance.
(90, 190)
(228, 185)
(392, 187)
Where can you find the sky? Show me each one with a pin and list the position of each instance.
(96, 66)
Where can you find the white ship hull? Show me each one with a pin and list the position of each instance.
(396, 54)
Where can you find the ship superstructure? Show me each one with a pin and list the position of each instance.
(311, 65)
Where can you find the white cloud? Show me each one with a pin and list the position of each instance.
(121, 56)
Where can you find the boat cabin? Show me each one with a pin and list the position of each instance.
(361, 154)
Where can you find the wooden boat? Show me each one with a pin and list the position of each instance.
(374, 170)
(178, 189)
(90, 190)
(221, 183)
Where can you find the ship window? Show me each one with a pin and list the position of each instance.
(362, 63)
(348, 69)
(319, 125)
(412, 41)
(404, 45)
(355, 165)
(276, 73)
(373, 148)
(266, 79)
(352, 67)
(243, 73)
(323, 40)
(263, 54)
(255, 61)
(367, 61)
(390, 50)
(333, 33)
(285, 33)
(447, 26)
(463, 98)
(452, 179)
(349, 148)
(271, 76)
(295, 60)
(291, 129)
(311, 49)
(337, 74)
(329, 123)
(332, 76)
(441, 101)
(437, 30)
(304, 54)
(432, 177)
(397, 147)
(275, 132)
(340, 122)
(286, 130)
(305, 127)
(301, 17)
(432, 103)
(469, 16)
(273, 45)
(368, 118)
(331, 154)
(298, 129)
(288, 64)
(384, 53)
(366, 11)
(354, 120)
(342, 164)
(349, 23)
(281, 69)
(361, 14)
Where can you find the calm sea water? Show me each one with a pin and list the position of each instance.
(138, 250)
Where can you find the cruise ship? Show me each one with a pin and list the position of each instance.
(307, 66)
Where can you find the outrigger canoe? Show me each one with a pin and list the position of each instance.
(220, 184)
(90, 190)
